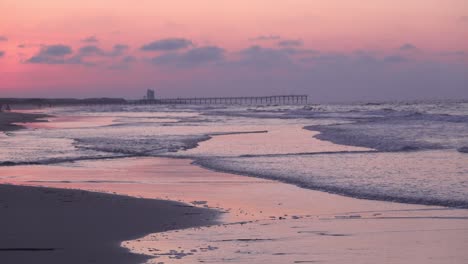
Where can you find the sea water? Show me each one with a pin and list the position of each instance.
(406, 152)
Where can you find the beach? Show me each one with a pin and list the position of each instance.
(233, 132)
(263, 220)
(50, 225)
(47, 225)
(8, 120)
(196, 209)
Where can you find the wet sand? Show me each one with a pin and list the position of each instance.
(264, 221)
(47, 225)
(8, 120)
(50, 225)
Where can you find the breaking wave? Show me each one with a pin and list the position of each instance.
(417, 150)
(368, 175)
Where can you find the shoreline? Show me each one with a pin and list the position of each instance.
(341, 192)
(8, 120)
(52, 225)
(263, 215)
(61, 225)
(259, 220)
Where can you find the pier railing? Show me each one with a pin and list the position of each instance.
(249, 100)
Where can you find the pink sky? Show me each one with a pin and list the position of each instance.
(300, 45)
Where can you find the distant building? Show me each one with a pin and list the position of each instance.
(150, 94)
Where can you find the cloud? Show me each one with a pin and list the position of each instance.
(408, 47)
(45, 60)
(25, 46)
(193, 57)
(3, 38)
(360, 59)
(254, 56)
(327, 58)
(51, 54)
(298, 52)
(119, 49)
(128, 59)
(93, 50)
(169, 44)
(204, 54)
(90, 50)
(123, 64)
(56, 50)
(295, 51)
(459, 53)
(266, 58)
(290, 43)
(395, 59)
(88, 55)
(90, 39)
(92, 55)
(328, 76)
(265, 38)
(286, 48)
(2, 53)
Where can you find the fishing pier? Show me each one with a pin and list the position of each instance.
(249, 100)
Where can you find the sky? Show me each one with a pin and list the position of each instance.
(332, 50)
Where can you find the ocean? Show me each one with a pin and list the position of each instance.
(408, 152)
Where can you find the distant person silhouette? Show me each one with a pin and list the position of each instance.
(7, 108)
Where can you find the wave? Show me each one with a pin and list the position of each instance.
(145, 146)
(96, 148)
(61, 160)
(149, 146)
(361, 189)
(351, 135)
(95, 181)
(307, 153)
(387, 129)
(398, 131)
(463, 150)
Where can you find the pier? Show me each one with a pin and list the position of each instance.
(249, 100)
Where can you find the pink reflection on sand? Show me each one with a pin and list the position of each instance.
(266, 221)
(275, 222)
(176, 179)
(71, 122)
(279, 139)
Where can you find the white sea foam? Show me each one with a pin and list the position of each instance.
(428, 177)
(419, 158)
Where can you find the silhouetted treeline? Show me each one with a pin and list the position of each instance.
(61, 101)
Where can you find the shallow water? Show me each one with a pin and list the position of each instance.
(406, 152)
(263, 220)
(429, 177)
(112, 149)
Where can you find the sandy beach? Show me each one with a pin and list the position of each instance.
(50, 225)
(46, 225)
(8, 120)
(233, 132)
(263, 220)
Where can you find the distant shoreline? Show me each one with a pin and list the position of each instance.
(61, 101)
(8, 120)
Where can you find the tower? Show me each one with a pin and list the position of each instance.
(150, 94)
